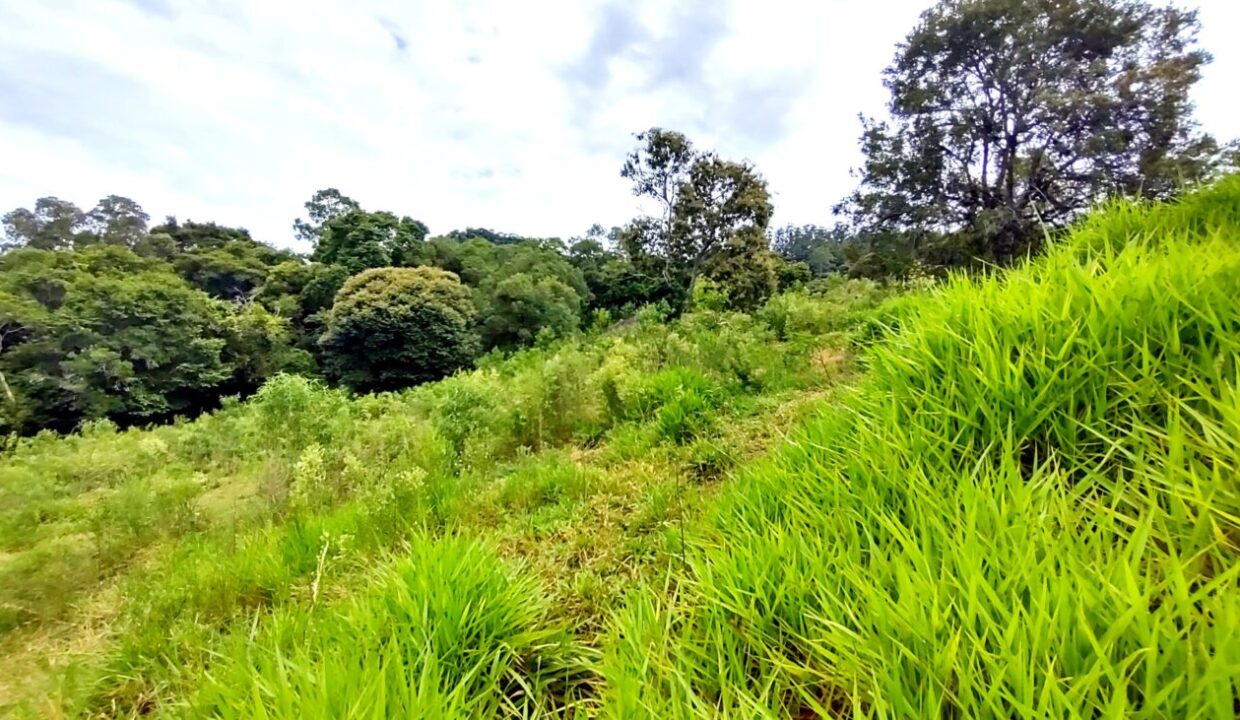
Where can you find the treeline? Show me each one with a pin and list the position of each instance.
(1008, 118)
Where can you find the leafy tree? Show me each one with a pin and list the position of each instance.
(20, 316)
(54, 224)
(712, 222)
(359, 240)
(107, 334)
(303, 293)
(222, 261)
(493, 236)
(523, 306)
(258, 347)
(117, 220)
(323, 206)
(790, 274)
(231, 272)
(394, 327)
(615, 284)
(507, 311)
(156, 245)
(822, 249)
(1007, 115)
(189, 235)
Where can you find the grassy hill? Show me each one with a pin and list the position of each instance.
(1007, 496)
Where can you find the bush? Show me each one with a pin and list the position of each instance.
(395, 327)
(448, 631)
(522, 308)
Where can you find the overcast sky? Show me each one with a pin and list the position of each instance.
(485, 113)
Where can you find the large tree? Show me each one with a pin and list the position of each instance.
(117, 220)
(1011, 116)
(53, 224)
(359, 240)
(821, 248)
(522, 306)
(322, 207)
(713, 215)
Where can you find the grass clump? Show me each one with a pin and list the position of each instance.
(1028, 509)
(445, 631)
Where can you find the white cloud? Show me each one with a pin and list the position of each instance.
(236, 112)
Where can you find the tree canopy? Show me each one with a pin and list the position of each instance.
(713, 216)
(104, 333)
(394, 327)
(1011, 116)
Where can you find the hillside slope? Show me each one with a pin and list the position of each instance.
(132, 560)
(1029, 508)
(1022, 502)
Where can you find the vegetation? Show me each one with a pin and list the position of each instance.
(140, 563)
(1009, 118)
(1025, 510)
(394, 327)
(713, 223)
(682, 468)
(1022, 507)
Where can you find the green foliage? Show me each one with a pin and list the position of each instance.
(323, 206)
(57, 224)
(1026, 510)
(522, 307)
(360, 240)
(259, 346)
(102, 332)
(1011, 116)
(302, 292)
(54, 224)
(614, 284)
(447, 631)
(519, 288)
(206, 532)
(108, 335)
(394, 327)
(714, 218)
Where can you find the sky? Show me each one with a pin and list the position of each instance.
(473, 113)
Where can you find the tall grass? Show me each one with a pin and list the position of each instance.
(1029, 509)
(171, 542)
(447, 631)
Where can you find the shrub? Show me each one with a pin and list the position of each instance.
(448, 631)
(395, 327)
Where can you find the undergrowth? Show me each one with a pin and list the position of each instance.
(1027, 509)
(1021, 503)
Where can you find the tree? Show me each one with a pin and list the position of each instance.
(190, 235)
(822, 249)
(394, 327)
(494, 236)
(322, 207)
(522, 306)
(104, 333)
(54, 224)
(117, 220)
(359, 240)
(225, 262)
(258, 347)
(713, 215)
(302, 292)
(1011, 115)
(231, 272)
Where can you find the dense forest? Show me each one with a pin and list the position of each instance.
(966, 450)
